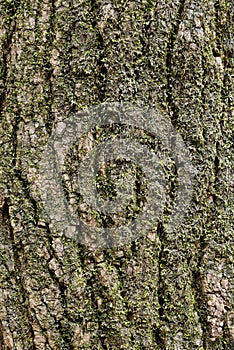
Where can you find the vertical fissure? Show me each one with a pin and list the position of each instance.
(169, 61)
(6, 51)
(101, 67)
(158, 332)
(199, 295)
(64, 330)
(18, 270)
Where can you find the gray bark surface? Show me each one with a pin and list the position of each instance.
(164, 290)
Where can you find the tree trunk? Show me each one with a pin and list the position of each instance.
(166, 289)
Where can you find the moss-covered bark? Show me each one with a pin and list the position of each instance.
(165, 290)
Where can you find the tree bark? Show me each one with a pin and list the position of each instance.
(165, 290)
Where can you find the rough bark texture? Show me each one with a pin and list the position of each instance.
(163, 291)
